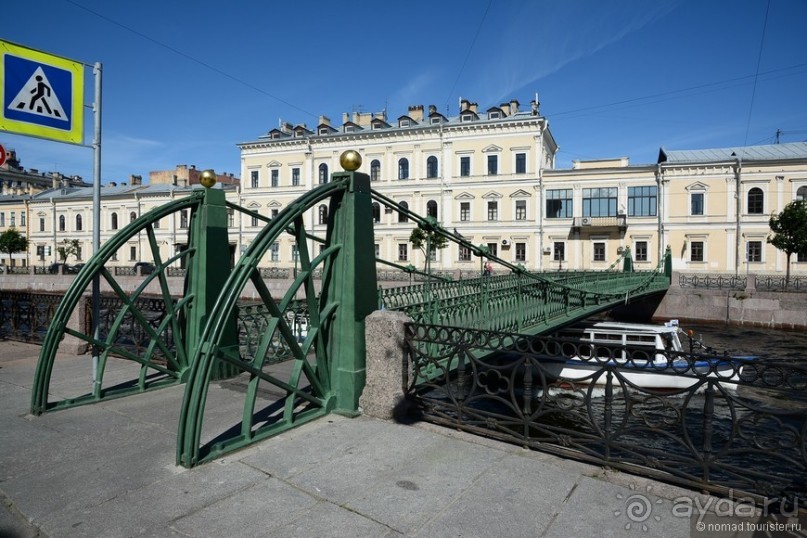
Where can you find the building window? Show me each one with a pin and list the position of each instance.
(465, 254)
(295, 253)
(493, 210)
(275, 252)
(696, 203)
(403, 169)
(402, 217)
(599, 252)
(559, 251)
(465, 166)
(801, 193)
(274, 213)
(13, 219)
(642, 201)
(754, 249)
(493, 165)
(275, 177)
(114, 221)
(230, 218)
(431, 167)
(40, 252)
(22, 218)
(559, 203)
(253, 220)
(132, 254)
(465, 211)
(376, 246)
(183, 218)
(801, 256)
(521, 163)
(78, 223)
(431, 208)
(402, 252)
(323, 174)
(2, 219)
(521, 209)
(254, 179)
(295, 177)
(61, 223)
(41, 224)
(640, 248)
(323, 214)
(493, 249)
(755, 201)
(599, 202)
(375, 170)
(696, 251)
(521, 252)
(376, 212)
(132, 216)
(78, 252)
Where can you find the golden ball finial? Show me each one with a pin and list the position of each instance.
(350, 160)
(208, 178)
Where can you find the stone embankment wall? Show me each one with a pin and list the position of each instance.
(777, 310)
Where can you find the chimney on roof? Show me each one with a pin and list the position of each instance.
(432, 109)
(57, 178)
(135, 180)
(416, 112)
(345, 117)
(505, 108)
(474, 107)
(514, 106)
(324, 120)
(464, 105)
(535, 104)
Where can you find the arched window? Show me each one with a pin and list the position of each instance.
(801, 193)
(403, 169)
(114, 221)
(323, 173)
(78, 223)
(375, 170)
(376, 212)
(61, 223)
(431, 208)
(755, 201)
(402, 217)
(431, 167)
(132, 216)
(323, 214)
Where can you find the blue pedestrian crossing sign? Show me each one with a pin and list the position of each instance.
(42, 94)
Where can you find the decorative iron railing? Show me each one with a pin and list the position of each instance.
(731, 425)
(731, 282)
(25, 316)
(795, 283)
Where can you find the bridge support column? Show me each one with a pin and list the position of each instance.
(352, 287)
(207, 272)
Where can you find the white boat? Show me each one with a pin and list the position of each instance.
(648, 356)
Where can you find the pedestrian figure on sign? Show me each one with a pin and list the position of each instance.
(488, 269)
(41, 91)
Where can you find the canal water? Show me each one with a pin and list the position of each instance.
(758, 341)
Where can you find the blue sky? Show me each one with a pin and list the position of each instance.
(184, 82)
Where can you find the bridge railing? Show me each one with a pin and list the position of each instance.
(729, 426)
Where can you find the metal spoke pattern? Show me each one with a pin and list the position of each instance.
(741, 427)
(130, 327)
(270, 334)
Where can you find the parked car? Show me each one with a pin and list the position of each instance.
(146, 268)
(66, 269)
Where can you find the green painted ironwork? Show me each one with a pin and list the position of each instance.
(327, 372)
(162, 363)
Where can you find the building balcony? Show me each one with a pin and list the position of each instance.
(619, 222)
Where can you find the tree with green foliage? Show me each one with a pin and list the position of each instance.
(426, 238)
(70, 248)
(790, 231)
(12, 241)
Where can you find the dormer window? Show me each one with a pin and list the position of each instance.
(403, 123)
(467, 117)
(276, 134)
(494, 116)
(323, 131)
(435, 120)
(349, 128)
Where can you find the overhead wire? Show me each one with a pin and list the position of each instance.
(470, 48)
(756, 74)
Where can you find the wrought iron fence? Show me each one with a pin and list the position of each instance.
(796, 283)
(730, 282)
(25, 316)
(730, 424)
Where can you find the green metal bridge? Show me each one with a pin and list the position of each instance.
(198, 338)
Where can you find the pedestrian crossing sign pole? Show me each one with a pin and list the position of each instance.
(42, 94)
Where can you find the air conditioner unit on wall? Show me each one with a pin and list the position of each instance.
(505, 243)
(585, 221)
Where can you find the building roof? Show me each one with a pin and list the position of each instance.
(771, 152)
(121, 190)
